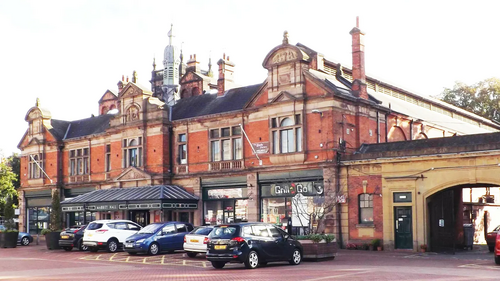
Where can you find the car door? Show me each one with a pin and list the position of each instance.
(165, 239)
(178, 239)
(120, 231)
(278, 250)
(263, 241)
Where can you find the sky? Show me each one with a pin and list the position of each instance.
(68, 53)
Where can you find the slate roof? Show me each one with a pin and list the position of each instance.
(145, 193)
(207, 104)
(63, 130)
(457, 144)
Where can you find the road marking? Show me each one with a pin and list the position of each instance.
(111, 258)
(338, 276)
(204, 264)
(97, 258)
(144, 260)
(126, 260)
(162, 259)
(479, 266)
(183, 262)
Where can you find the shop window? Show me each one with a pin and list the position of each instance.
(38, 219)
(366, 208)
(35, 166)
(226, 144)
(286, 134)
(132, 152)
(79, 162)
(107, 158)
(182, 149)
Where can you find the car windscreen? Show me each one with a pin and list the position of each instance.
(150, 229)
(224, 232)
(94, 226)
(202, 230)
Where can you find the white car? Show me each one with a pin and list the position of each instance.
(196, 241)
(108, 234)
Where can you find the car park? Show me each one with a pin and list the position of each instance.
(491, 238)
(108, 234)
(253, 244)
(196, 241)
(23, 238)
(497, 249)
(72, 238)
(158, 237)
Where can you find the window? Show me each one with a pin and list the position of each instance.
(182, 149)
(168, 229)
(35, 165)
(366, 208)
(286, 134)
(132, 152)
(79, 162)
(226, 144)
(107, 158)
(181, 228)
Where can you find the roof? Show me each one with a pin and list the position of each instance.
(207, 104)
(157, 192)
(469, 143)
(73, 129)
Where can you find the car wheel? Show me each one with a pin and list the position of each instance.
(93, 249)
(296, 257)
(497, 260)
(82, 247)
(191, 254)
(154, 249)
(252, 260)
(112, 246)
(68, 248)
(491, 248)
(25, 241)
(218, 264)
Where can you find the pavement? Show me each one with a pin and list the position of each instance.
(35, 262)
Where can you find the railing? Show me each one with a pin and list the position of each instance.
(226, 165)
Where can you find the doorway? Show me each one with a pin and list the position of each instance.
(140, 217)
(403, 228)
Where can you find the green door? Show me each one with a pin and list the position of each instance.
(403, 230)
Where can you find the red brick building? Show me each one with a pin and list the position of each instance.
(241, 153)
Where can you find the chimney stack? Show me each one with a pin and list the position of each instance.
(192, 64)
(226, 71)
(358, 62)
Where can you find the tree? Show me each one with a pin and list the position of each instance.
(55, 214)
(7, 178)
(9, 214)
(482, 98)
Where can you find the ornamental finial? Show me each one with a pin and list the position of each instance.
(37, 104)
(285, 37)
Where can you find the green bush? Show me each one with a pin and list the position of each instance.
(45, 231)
(55, 213)
(328, 237)
(9, 214)
(375, 243)
(316, 238)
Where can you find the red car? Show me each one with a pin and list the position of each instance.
(491, 237)
(497, 250)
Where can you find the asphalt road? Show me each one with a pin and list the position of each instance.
(35, 262)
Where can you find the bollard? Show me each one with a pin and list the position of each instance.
(37, 239)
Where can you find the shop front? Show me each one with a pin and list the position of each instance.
(225, 200)
(290, 200)
(37, 210)
(143, 205)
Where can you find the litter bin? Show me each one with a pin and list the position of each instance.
(468, 236)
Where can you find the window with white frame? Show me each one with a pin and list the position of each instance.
(182, 152)
(366, 208)
(107, 158)
(34, 165)
(132, 152)
(286, 134)
(226, 144)
(79, 162)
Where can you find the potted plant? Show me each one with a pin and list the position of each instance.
(55, 226)
(8, 236)
(318, 246)
(376, 244)
(423, 248)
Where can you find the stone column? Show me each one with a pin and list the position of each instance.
(253, 197)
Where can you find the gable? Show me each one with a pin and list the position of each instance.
(283, 96)
(133, 174)
(108, 95)
(190, 77)
(283, 54)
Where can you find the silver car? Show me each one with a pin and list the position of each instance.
(196, 241)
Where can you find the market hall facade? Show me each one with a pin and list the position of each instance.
(242, 153)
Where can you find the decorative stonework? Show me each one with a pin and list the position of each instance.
(132, 174)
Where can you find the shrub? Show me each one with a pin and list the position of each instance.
(375, 243)
(328, 237)
(55, 214)
(45, 231)
(10, 225)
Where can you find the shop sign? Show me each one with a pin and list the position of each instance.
(225, 193)
(304, 188)
(261, 147)
(98, 208)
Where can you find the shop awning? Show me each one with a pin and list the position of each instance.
(134, 198)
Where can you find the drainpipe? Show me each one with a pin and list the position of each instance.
(170, 144)
(339, 207)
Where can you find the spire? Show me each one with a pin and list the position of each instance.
(154, 63)
(171, 63)
(170, 34)
(134, 76)
(285, 37)
(210, 73)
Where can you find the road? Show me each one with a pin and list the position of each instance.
(35, 262)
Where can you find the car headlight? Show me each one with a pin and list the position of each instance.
(139, 241)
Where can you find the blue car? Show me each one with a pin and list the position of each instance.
(158, 237)
(23, 238)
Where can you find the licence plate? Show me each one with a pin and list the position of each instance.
(64, 236)
(129, 245)
(220, 247)
(89, 235)
(194, 240)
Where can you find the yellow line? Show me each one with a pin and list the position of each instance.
(144, 260)
(111, 258)
(162, 259)
(97, 258)
(204, 264)
(183, 262)
(126, 260)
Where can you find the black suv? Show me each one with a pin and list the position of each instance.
(252, 244)
(72, 237)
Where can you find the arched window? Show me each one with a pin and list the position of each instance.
(184, 94)
(132, 152)
(104, 110)
(286, 134)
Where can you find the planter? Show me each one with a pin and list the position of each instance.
(52, 240)
(8, 239)
(379, 248)
(321, 250)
